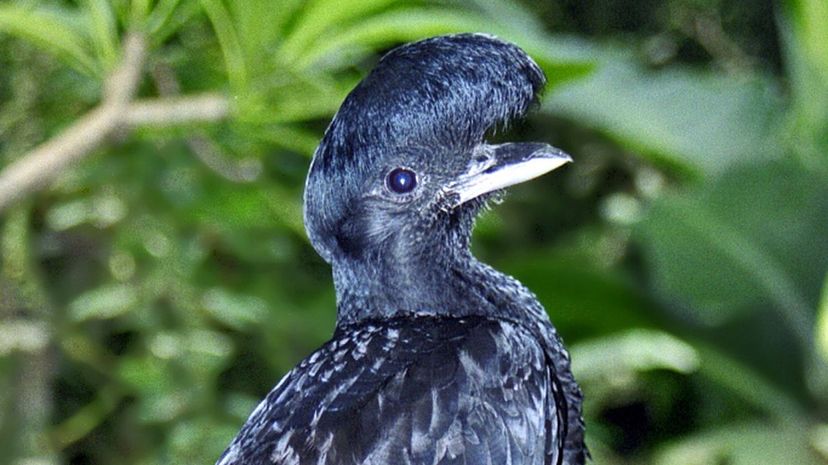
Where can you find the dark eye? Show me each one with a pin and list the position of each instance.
(401, 180)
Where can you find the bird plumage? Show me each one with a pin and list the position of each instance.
(436, 358)
(422, 390)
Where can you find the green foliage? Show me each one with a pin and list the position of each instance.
(153, 294)
(57, 32)
(697, 121)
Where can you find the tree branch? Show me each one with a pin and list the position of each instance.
(36, 169)
(176, 110)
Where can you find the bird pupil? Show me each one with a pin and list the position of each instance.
(401, 180)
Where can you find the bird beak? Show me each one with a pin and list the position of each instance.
(495, 167)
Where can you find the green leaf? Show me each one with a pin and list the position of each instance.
(169, 17)
(751, 239)
(207, 352)
(699, 122)
(319, 17)
(107, 301)
(104, 31)
(160, 15)
(262, 25)
(261, 29)
(822, 323)
(299, 99)
(512, 14)
(84, 420)
(23, 336)
(561, 59)
(235, 310)
(817, 373)
(804, 33)
(810, 23)
(742, 444)
(228, 38)
(53, 30)
(139, 11)
(633, 351)
(391, 27)
(819, 440)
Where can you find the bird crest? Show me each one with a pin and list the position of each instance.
(442, 93)
(447, 90)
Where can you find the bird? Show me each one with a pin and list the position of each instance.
(436, 357)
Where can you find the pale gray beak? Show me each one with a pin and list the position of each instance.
(495, 167)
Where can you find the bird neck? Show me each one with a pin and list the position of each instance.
(449, 283)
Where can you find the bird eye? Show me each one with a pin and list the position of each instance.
(401, 180)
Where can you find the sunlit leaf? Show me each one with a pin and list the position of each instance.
(697, 121)
(228, 38)
(809, 21)
(804, 34)
(321, 15)
(395, 26)
(171, 17)
(160, 14)
(822, 322)
(138, 12)
(817, 374)
(561, 59)
(632, 351)
(300, 99)
(108, 301)
(235, 310)
(516, 16)
(262, 25)
(50, 30)
(104, 31)
(742, 444)
(22, 336)
(261, 29)
(207, 352)
(819, 440)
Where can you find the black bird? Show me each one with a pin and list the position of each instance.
(436, 357)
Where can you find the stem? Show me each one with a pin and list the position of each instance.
(36, 169)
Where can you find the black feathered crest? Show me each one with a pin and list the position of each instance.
(444, 92)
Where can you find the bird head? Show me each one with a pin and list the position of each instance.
(403, 169)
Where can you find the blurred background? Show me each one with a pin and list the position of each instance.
(156, 280)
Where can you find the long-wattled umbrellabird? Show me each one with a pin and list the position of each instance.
(436, 357)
